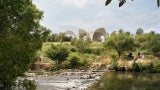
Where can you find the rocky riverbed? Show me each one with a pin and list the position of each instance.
(68, 80)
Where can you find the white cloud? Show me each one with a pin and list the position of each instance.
(100, 14)
(76, 3)
(61, 15)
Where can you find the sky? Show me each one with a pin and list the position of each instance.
(63, 15)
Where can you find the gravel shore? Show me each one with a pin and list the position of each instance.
(67, 80)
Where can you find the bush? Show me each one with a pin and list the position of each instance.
(74, 61)
(58, 53)
(145, 52)
(114, 64)
(129, 56)
(84, 64)
(78, 62)
(73, 49)
(136, 67)
(157, 67)
(96, 51)
(112, 54)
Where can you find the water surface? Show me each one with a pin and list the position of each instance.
(128, 81)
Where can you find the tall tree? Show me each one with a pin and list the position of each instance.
(45, 33)
(121, 42)
(139, 31)
(20, 39)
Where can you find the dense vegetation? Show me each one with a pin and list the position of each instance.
(120, 46)
(21, 36)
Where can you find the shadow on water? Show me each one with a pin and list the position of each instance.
(128, 81)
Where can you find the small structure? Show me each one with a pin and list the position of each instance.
(99, 35)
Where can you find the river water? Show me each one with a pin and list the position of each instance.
(128, 81)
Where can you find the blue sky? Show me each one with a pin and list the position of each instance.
(62, 15)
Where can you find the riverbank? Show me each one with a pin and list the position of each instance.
(67, 80)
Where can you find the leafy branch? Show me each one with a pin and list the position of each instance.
(122, 2)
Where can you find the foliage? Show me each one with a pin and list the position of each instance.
(96, 51)
(114, 64)
(158, 3)
(58, 53)
(61, 37)
(120, 42)
(78, 61)
(73, 49)
(155, 44)
(81, 44)
(121, 2)
(74, 61)
(149, 42)
(20, 39)
(138, 67)
(128, 56)
(45, 33)
(139, 31)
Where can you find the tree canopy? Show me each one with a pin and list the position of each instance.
(20, 39)
(120, 42)
(149, 43)
(139, 31)
(58, 53)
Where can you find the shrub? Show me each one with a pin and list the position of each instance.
(96, 51)
(88, 50)
(73, 49)
(129, 56)
(157, 67)
(114, 64)
(136, 67)
(85, 64)
(74, 61)
(58, 53)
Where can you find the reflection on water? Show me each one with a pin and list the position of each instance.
(128, 81)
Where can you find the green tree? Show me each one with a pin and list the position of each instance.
(121, 42)
(142, 41)
(74, 61)
(20, 39)
(53, 38)
(45, 33)
(149, 42)
(139, 31)
(58, 53)
(61, 37)
(154, 44)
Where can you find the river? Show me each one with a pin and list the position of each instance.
(128, 81)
